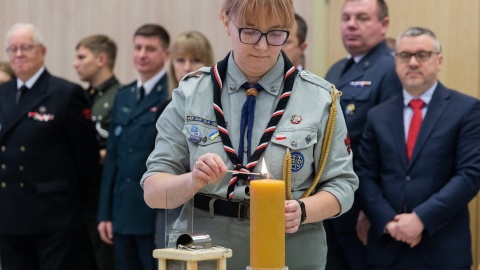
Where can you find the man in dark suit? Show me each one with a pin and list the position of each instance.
(366, 78)
(419, 165)
(124, 217)
(48, 152)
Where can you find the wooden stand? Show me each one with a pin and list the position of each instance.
(193, 256)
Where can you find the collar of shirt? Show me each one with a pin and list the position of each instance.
(426, 96)
(30, 82)
(103, 87)
(272, 81)
(356, 58)
(148, 85)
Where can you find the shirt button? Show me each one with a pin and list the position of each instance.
(294, 144)
(22, 148)
(408, 178)
(233, 87)
(303, 73)
(4, 148)
(4, 167)
(4, 185)
(22, 185)
(129, 180)
(20, 168)
(94, 118)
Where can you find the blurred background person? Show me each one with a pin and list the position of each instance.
(296, 42)
(124, 218)
(94, 63)
(48, 153)
(366, 77)
(190, 51)
(6, 72)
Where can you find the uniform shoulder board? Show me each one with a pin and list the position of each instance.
(197, 73)
(312, 78)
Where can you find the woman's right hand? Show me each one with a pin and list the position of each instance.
(208, 169)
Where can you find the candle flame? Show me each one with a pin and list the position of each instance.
(264, 169)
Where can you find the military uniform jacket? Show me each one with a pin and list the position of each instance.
(48, 153)
(366, 84)
(131, 139)
(101, 108)
(301, 129)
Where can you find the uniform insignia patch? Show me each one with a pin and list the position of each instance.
(192, 118)
(280, 137)
(118, 131)
(347, 144)
(214, 134)
(298, 160)
(296, 119)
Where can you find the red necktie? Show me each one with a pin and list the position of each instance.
(415, 123)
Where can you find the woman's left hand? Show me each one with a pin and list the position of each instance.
(293, 216)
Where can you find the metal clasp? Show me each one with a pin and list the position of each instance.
(245, 214)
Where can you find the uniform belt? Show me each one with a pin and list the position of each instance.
(215, 206)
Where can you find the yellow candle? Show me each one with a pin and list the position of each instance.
(267, 224)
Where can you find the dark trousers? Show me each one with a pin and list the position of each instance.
(56, 251)
(93, 253)
(345, 250)
(134, 252)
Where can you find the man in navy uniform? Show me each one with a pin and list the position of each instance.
(366, 77)
(48, 152)
(125, 219)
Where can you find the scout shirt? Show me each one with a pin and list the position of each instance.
(301, 129)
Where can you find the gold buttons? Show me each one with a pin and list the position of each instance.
(22, 148)
(3, 166)
(20, 168)
(4, 185)
(4, 148)
(22, 185)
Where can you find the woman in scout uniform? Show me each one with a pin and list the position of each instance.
(209, 127)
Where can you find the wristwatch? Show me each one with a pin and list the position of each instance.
(304, 213)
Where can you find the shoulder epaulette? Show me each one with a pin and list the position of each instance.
(312, 78)
(197, 73)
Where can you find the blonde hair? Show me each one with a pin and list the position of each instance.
(191, 43)
(5, 67)
(273, 10)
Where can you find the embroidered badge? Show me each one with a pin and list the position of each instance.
(280, 137)
(296, 119)
(42, 117)
(214, 134)
(360, 83)
(298, 160)
(191, 118)
(195, 136)
(347, 144)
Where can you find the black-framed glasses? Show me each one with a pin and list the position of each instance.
(23, 48)
(421, 56)
(253, 36)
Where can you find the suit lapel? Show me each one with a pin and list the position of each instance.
(32, 98)
(358, 70)
(435, 109)
(397, 129)
(152, 100)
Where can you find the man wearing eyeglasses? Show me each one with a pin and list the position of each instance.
(366, 78)
(48, 152)
(419, 165)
